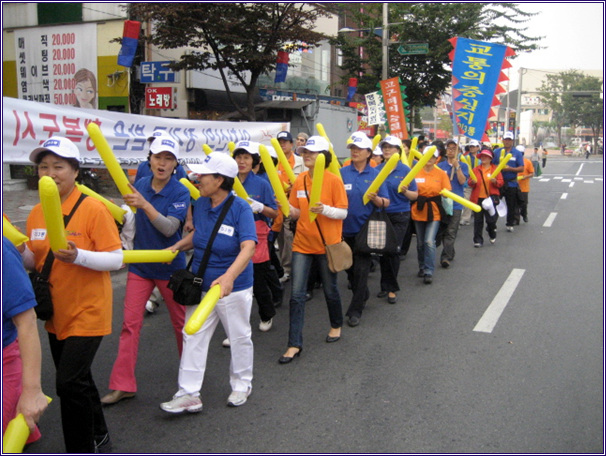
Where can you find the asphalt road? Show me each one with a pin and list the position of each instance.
(414, 377)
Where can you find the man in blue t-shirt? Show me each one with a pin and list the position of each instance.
(510, 176)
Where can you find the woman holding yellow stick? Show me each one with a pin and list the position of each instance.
(81, 292)
(162, 204)
(310, 241)
(228, 265)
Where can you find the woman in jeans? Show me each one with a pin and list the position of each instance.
(308, 244)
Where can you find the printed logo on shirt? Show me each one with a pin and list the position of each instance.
(301, 194)
(226, 230)
(179, 205)
(38, 234)
(420, 180)
(73, 233)
(348, 187)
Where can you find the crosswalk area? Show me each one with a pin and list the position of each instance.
(568, 180)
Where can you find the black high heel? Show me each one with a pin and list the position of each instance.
(288, 359)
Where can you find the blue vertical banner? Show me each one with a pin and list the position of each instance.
(476, 73)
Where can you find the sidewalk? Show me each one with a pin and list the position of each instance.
(17, 205)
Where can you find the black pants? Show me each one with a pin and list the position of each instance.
(358, 277)
(262, 290)
(478, 224)
(511, 199)
(390, 264)
(81, 414)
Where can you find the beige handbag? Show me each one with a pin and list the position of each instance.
(339, 256)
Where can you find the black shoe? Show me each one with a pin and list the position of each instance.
(330, 339)
(526, 218)
(353, 321)
(421, 273)
(308, 296)
(103, 444)
(288, 359)
(427, 279)
(445, 264)
(392, 299)
(382, 294)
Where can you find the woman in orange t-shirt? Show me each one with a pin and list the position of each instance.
(308, 244)
(81, 293)
(427, 212)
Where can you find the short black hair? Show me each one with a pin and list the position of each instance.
(256, 158)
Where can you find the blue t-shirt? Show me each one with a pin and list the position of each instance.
(356, 184)
(516, 160)
(144, 170)
(397, 201)
(457, 188)
(173, 200)
(260, 189)
(17, 292)
(238, 226)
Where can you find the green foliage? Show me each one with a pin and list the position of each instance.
(238, 39)
(426, 77)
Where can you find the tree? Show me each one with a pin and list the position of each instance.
(426, 77)
(574, 99)
(237, 39)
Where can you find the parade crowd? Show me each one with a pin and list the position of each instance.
(255, 249)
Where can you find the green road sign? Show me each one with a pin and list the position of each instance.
(413, 49)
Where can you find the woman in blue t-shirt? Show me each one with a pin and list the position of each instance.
(162, 204)
(229, 266)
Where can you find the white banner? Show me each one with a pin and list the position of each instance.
(27, 124)
(376, 110)
(58, 65)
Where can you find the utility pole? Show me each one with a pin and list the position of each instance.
(385, 42)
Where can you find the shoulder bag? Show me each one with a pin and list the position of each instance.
(187, 286)
(377, 235)
(40, 283)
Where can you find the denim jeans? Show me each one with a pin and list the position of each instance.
(426, 245)
(301, 266)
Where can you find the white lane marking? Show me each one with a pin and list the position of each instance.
(564, 196)
(571, 185)
(497, 306)
(578, 178)
(601, 179)
(588, 182)
(566, 180)
(558, 177)
(543, 180)
(580, 168)
(550, 220)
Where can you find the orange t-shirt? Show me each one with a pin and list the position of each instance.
(280, 169)
(528, 171)
(429, 185)
(82, 297)
(486, 172)
(307, 237)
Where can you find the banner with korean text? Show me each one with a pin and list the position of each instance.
(27, 124)
(57, 64)
(476, 74)
(394, 108)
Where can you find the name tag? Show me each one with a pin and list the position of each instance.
(301, 194)
(38, 234)
(179, 205)
(420, 180)
(226, 230)
(348, 187)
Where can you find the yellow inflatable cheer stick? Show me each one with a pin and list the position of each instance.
(500, 166)
(16, 434)
(407, 158)
(12, 233)
(231, 146)
(193, 191)
(415, 170)
(375, 141)
(116, 211)
(465, 202)
(53, 216)
(148, 256)
(283, 160)
(240, 190)
(109, 159)
(386, 171)
(334, 165)
(274, 179)
(316, 185)
(206, 306)
(467, 160)
(206, 149)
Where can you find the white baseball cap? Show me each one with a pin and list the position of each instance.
(473, 143)
(272, 152)
(164, 144)
(508, 135)
(58, 145)
(248, 146)
(314, 144)
(521, 148)
(377, 151)
(360, 140)
(216, 163)
(392, 141)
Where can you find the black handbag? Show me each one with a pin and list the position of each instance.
(40, 283)
(187, 286)
(377, 235)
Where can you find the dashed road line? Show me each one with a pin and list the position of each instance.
(550, 220)
(497, 306)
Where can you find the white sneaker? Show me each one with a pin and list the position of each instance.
(265, 326)
(238, 398)
(186, 403)
(151, 306)
(285, 278)
(226, 343)
(510, 229)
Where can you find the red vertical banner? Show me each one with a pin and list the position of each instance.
(394, 108)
